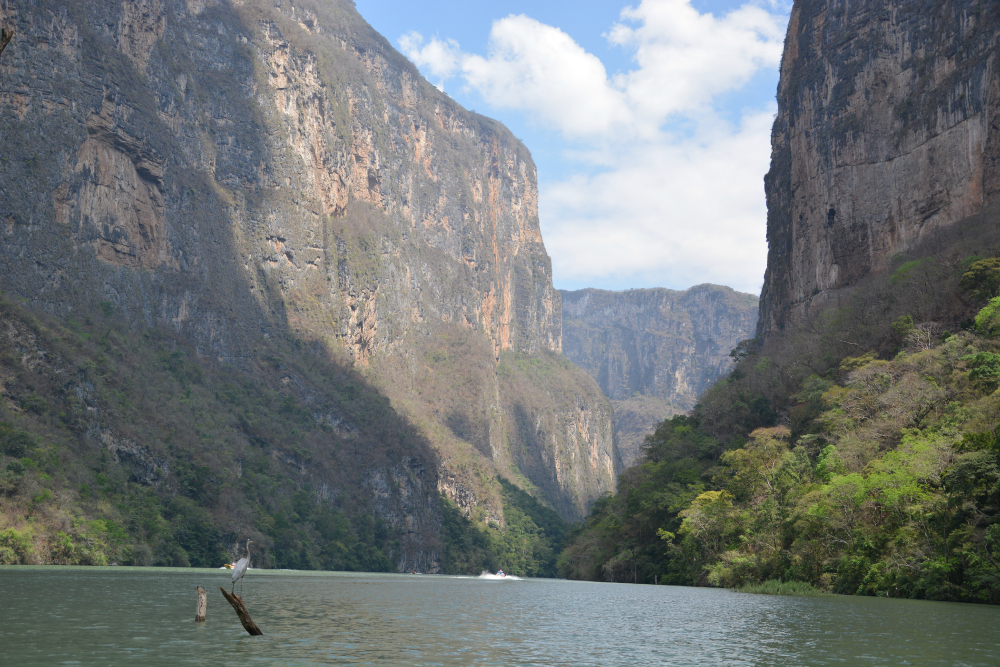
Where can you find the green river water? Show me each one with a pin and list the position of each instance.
(145, 617)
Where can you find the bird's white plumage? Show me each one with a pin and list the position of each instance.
(240, 569)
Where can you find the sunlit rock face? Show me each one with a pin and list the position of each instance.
(246, 169)
(654, 351)
(887, 129)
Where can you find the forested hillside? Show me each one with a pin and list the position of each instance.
(124, 447)
(857, 450)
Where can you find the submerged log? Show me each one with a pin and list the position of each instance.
(242, 612)
(202, 607)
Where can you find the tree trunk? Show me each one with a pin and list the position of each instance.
(202, 607)
(242, 612)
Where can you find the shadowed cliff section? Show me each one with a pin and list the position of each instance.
(888, 128)
(654, 351)
(241, 172)
(125, 447)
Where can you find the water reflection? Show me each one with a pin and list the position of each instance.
(51, 615)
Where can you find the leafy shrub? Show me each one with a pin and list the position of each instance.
(985, 369)
(905, 270)
(829, 464)
(776, 587)
(35, 404)
(903, 326)
(140, 555)
(67, 549)
(15, 547)
(988, 319)
(14, 442)
(982, 278)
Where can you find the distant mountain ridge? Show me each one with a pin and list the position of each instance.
(654, 351)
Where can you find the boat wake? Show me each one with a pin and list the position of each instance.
(497, 577)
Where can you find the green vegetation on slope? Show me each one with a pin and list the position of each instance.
(527, 546)
(858, 452)
(117, 447)
(130, 448)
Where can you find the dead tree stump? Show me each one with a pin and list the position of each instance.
(202, 607)
(242, 612)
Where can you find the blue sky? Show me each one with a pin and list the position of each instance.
(649, 123)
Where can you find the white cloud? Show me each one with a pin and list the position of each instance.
(686, 58)
(439, 58)
(531, 67)
(674, 212)
(536, 68)
(665, 191)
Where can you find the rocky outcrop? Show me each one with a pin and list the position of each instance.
(113, 199)
(888, 128)
(654, 351)
(145, 467)
(244, 170)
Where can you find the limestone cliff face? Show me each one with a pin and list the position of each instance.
(888, 127)
(239, 170)
(654, 351)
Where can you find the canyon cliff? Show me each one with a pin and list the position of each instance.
(888, 128)
(654, 351)
(875, 336)
(245, 171)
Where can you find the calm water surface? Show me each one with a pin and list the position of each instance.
(145, 616)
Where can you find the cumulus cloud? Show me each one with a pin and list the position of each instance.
(665, 191)
(530, 67)
(438, 58)
(685, 58)
(539, 69)
(675, 212)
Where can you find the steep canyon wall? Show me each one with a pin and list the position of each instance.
(888, 128)
(654, 351)
(245, 170)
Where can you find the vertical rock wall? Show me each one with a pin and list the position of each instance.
(239, 170)
(654, 351)
(888, 127)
